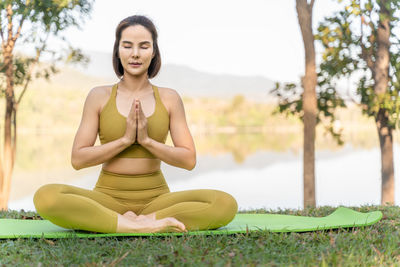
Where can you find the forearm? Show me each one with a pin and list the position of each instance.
(94, 155)
(176, 156)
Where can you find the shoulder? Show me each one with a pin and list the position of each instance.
(102, 90)
(98, 96)
(168, 93)
(170, 97)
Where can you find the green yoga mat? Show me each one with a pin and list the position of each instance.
(242, 223)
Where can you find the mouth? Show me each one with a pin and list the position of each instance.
(134, 65)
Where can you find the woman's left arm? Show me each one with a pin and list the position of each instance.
(183, 153)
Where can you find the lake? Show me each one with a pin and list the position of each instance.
(265, 179)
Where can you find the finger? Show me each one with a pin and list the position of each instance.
(137, 115)
(132, 108)
(136, 108)
(141, 110)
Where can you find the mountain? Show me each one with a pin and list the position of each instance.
(186, 80)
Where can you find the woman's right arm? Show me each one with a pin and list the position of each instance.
(84, 153)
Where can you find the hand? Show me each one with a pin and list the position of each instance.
(142, 136)
(131, 124)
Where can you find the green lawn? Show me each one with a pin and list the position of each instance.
(376, 245)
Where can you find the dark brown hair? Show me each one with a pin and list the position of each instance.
(155, 64)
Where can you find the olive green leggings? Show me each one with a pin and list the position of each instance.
(96, 210)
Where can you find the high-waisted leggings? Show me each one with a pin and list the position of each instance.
(96, 210)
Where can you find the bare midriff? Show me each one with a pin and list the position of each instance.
(132, 165)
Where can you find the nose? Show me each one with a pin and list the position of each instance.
(135, 52)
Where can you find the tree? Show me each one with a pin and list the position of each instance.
(357, 41)
(305, 105)
(304, 14)
(45, 19)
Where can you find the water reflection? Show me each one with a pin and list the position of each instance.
(268, 179)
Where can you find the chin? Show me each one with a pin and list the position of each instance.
(134, 73)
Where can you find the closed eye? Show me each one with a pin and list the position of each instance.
(131, 47)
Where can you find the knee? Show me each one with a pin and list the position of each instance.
(46, 197)
(226, 207)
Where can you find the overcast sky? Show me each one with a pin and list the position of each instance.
(258, 37)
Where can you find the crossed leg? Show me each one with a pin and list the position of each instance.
(197, 209)
(77, 208)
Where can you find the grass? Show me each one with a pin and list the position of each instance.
(376, 245)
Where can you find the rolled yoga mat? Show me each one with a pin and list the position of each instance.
(242, 223)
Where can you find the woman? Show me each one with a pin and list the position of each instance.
(132, 118)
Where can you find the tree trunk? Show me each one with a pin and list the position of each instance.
(9, 148)
(381, 78)
(387, 169)
(309, 81)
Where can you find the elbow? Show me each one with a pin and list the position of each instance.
(192, 164)
(74, 163)
(76, 167)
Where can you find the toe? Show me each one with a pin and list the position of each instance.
(130, 214)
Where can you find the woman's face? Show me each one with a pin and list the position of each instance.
(136, 45)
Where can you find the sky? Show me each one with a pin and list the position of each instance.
(258, 37)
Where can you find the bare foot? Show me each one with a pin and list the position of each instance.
(169, 224)
(131, 215)
(146, 224)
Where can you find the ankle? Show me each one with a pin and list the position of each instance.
(151, 216)
(125, 224)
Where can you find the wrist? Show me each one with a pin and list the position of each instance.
(147, 142)
(126, 142)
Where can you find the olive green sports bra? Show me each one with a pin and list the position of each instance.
(112, 126)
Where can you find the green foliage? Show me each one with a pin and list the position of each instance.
(54, 16)
(291, 104)
(45, 18)
(346, 50)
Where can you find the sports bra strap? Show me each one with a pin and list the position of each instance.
(114, 90)
(156, 94)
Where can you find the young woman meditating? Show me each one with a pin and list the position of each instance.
(132, 118)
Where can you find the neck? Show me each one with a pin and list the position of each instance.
(135, 84)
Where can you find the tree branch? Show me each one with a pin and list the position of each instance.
(311, 4)
(31, 68)
(12, 39)
(19, 30)
(9, 17)
(366, 53)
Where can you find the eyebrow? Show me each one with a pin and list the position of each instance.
(128, 42)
